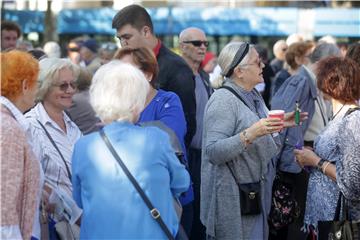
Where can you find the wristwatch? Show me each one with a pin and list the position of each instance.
(320, 164)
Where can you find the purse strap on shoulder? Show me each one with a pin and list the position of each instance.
(242, 100)
(236, 94)
(56, 147)
(351, 110)
(153, 211)
(233, 174)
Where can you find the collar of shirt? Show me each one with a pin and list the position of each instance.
(44, 118)
(19, 116)
(157, 48)
(311, 74)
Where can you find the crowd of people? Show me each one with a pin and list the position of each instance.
(139, 142)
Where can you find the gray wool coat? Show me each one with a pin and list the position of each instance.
(225, 117)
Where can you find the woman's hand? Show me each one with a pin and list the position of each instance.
(46, 192)
(263, 127)
(289, 118)
(306, 157)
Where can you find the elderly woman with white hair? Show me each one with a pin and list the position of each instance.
(113, 208)
(239, 141)
(56, 134)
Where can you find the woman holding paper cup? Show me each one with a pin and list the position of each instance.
(239, 142)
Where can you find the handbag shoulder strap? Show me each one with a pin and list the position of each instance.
(321, 111)
(153, 211)
(351, 110)
(233, 174)
(56, 147)
(236, 94)
(343, 207)
(242, 100)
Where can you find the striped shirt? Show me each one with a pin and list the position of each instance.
(55, 170)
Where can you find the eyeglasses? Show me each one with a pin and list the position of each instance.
(197, 43)
(258, 62)
(65, 86)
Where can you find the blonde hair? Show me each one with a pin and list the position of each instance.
(49, 73)
(118, 91)
(225, 59)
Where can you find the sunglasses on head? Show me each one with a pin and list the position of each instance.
(197, 43)
(65, 86)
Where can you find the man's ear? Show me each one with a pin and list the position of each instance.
(146, 31)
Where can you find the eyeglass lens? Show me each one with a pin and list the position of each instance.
(65, 86)
(197, 43)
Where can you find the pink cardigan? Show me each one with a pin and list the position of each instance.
(19, 176)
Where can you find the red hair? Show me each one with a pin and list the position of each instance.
(16, 66)
(339, 78)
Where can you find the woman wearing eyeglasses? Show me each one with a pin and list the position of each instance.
(55, 144)
(239, 141)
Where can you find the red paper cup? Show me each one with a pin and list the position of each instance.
(277, 114)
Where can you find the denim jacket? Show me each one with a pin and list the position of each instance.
(299, 87)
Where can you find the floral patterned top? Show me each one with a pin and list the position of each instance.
(340, 144)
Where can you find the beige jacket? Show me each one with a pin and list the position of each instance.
(19, 176)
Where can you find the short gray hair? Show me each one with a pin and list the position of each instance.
(49, 73)
(225, 59)
(118, 91)
(324, 50)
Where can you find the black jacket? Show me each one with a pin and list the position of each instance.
(176, 76)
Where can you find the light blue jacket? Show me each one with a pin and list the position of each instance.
(112, 207)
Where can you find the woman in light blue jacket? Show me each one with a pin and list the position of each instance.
(112, 208)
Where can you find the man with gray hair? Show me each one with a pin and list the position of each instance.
(193, 45)
(279, 50)
(52, 49)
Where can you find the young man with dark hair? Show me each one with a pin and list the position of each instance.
(10, 33)
(135, 29)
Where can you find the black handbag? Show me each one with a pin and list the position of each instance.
(339, 229)
(250, 198)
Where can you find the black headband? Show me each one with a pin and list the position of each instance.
(239, 56)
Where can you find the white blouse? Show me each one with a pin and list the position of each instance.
(54, 168)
